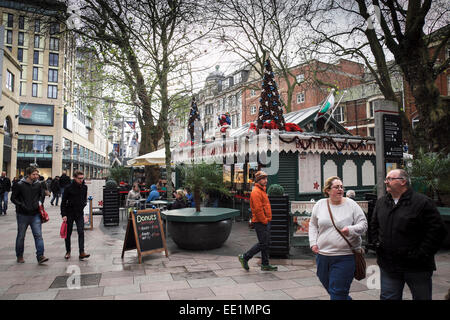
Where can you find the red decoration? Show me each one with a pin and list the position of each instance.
(292, 127)
(316, 185)
(270, 125)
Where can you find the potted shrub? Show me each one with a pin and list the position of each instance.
(430, 174)
(204, 178)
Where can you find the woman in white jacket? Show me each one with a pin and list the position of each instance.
(335, 259)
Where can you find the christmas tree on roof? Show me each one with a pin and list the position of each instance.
(194, 120)
(270, 114)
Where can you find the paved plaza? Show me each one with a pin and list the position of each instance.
(211, 275)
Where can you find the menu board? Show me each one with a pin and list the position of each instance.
(145, 233)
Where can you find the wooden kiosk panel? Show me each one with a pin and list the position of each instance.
(145, 233)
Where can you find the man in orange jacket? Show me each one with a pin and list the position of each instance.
(261, 217)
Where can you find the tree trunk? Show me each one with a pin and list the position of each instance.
(197, 199)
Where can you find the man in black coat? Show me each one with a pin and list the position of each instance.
(5, 187)
(26, 196)
(73, 202)
(64, 182)
(408, 231)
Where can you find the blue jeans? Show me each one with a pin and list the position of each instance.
(55, 196)
(23, 221)
(263, 234)
(419, 283)
(4, 199)
(336, 275)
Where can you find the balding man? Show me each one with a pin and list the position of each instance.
(408, 231)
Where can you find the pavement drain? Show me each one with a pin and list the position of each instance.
(86, 280)
(194, 275)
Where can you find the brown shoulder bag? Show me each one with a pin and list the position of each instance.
(360, 263)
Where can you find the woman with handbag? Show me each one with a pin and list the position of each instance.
(335, 230)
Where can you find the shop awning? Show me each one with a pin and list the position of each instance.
(157, 157)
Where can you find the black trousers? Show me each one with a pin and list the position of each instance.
(79, 220)
(263, 234)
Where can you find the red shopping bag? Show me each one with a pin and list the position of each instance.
(43, 213)
(63, 231)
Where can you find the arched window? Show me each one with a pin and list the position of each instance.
(7, 126)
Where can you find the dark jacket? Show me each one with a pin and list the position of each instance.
(54, 187)
(5, 184)
(64, 181)
(407, 234)
(178, 204)
(74, 200)
(26, 197)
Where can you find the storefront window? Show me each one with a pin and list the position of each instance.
(29, 145)
(227, 176)
(67, 149)
(252, 168)
(239, 175)
(81, 153)
(75, 151)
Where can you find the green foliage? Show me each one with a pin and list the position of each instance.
(432, 170)
(119, 173)
(110, 184)
(275, 190)
(205, 178)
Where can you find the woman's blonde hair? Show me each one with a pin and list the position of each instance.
(328, 184)
(180, 192)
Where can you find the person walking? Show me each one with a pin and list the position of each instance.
(56, 190)
(73, 202)
(407, 231)
(261, 217)
(26, 196)
(64, 182)
(5, 186)
(335, 260)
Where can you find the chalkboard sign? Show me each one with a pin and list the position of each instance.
(145, 233)
(392, 135)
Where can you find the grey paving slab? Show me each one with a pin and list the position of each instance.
(191, 293)
(194, 275)
(209, 282)
(267, 295)
(306, 292)
(84, 293)
(122, 289)
(164, 285)
(236, 289)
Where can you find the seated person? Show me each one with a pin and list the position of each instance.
(134, 196)
(180, 201)
(189, 197)
(154, 194)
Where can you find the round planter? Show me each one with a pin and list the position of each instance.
(200, 235)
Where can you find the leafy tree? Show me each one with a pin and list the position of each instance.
(431, 169)
(204, 178)
(119, 173)
(403, 30)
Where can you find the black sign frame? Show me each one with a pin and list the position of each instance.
(392, 138)
(133, 235)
